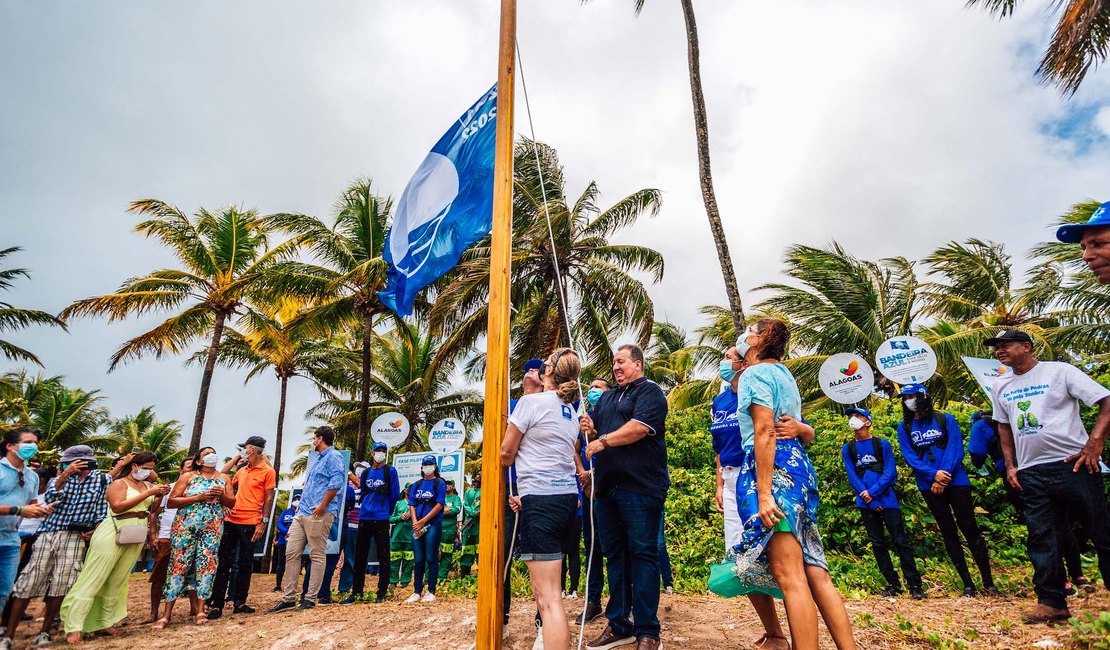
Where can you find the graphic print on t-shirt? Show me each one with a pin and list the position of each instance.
(1027, 421)
(925, 438)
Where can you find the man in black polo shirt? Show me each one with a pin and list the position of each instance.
(630, 474)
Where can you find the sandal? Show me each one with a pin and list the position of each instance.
(160, 624)
(763, 640)
(201, 619)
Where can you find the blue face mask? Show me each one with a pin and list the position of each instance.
(27, 450)
(593, 395)
(727, 373)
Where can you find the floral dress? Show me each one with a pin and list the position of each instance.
(194, 543)
(793, 483)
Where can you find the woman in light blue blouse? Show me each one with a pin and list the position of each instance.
(780, 552)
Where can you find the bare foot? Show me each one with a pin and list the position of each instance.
(73, 638)
(768, 642)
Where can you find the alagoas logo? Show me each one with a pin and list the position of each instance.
(853, 366)
(396, 424)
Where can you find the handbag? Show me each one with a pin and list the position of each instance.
(130, 534)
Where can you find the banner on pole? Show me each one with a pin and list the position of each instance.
(446, 207)
(906, 360)
(985, 371)
(846, 378)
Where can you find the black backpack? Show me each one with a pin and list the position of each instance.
(876, 466)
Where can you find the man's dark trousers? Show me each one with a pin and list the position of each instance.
(629, 526)
(378, 532)
(874, 522)
(236, 537)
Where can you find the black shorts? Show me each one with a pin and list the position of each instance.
(544, 521)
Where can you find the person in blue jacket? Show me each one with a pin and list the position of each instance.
(427, 499)
(380, 489)
(869, 462)
(933, 446)
(284, 521)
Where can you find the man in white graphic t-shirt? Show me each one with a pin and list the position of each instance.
(1051, 458)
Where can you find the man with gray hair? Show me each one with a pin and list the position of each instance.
(629, 452)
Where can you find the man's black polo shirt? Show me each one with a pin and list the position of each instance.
(642, 466)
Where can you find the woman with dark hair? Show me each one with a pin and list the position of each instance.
(161, 522)
(98, 600)
(540, 440)
(427, 499)
(780, 551)
(933, 446)
(200, 497)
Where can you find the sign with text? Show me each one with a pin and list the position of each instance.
(985, 371)
(906, 360)
(846, 378)
(391, 428)
(446, 436)
(452, 466)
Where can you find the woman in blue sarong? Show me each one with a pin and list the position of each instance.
(780, 552)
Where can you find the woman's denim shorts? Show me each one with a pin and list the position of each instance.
(544, 520)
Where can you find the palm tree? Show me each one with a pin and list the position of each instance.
(598, 295)
(144, 431)
(345, 283)
(225, 260)
(843, 304)
(669, 359)
(705, 175)
(412, 376)
(63, 416)
(269, 343)
(14, 318)
(1080, 41)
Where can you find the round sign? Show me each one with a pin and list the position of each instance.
(446, 436)
(391, 428)
(846, 378)
(906, 360)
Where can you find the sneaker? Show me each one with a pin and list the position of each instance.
(43, 639)
(592, 611)
(608, 639)
(378, 599)
(325, 601)
(428, 598)
(243, 609)
(282, 606)
(573, 595)
(214, 613)
(668, 590)
(564, 595)
(891, 591)
(349, 600)
(538, 643)
(992, 591)
(5, 644)
(306, 604)
(918, 593)
(969, 592)
(415, 598)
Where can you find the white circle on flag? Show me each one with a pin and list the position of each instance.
(846, 378)
(906, 360)
(391, 428)
(447, 435)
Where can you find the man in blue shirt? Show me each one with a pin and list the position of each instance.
(380, 490)
(312, 523)
(869, 462)
(19, 485)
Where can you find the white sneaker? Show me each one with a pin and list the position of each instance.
(573, 595)
(415, 598)
(538, 643)
(42, 640)
(428, 598)
(5, 644)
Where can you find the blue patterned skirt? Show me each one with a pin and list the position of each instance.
(794, 486)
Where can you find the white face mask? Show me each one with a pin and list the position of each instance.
(141, 474)
(429, 470)
(856, 423)
(911, 403)
(379, 456)
(742, 345)
(210, 460)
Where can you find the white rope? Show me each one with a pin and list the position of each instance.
(570, 340)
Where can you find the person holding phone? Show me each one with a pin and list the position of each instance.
(19, 488)
(78, 497)
(200, 497)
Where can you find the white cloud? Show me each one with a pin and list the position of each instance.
(1102, 120)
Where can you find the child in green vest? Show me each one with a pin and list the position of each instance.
(400, 542)
(451, 511)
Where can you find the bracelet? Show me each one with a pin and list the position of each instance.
(19, 511)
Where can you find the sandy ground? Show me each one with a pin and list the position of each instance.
(688, 622)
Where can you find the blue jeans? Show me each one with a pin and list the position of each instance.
(1048, 492)
(664, 557)
(9, 566)
(595, 574)
(425, 551)
(347, 573)
(629, 526)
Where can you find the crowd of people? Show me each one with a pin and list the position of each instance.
(583, 472)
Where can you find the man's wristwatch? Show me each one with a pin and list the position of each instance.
(604, 442)
(265, 520)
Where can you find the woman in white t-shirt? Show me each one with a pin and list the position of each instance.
(540, 439)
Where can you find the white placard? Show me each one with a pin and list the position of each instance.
(391, 428)
(985, 371)
(906, 360)
(846, 378)
(447, 435)
(451, 466)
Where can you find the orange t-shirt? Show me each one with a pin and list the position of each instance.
(252, 483)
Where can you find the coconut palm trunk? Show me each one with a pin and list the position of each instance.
(206, 383)
(701, 126)
(277, 459)
(364, 398)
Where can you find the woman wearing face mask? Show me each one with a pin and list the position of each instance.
(98, 600)
(933, 446)
(780, 551)
(426, 501)
(869, 462)
(200, 497)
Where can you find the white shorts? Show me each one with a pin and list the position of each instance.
(734, 527)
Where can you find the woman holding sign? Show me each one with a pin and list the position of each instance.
(933, 447)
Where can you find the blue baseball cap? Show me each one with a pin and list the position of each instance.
(533, 364)
(428, 460)
(857, 411)
(914, 389)
(379, 446)
(1073, 232)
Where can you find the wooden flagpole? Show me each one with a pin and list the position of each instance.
(491, 533)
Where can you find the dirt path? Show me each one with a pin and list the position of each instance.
(688, 622)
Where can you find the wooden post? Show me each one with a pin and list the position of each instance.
(491, 534)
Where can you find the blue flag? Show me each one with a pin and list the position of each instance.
(446, 207)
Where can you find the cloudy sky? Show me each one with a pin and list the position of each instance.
(890, 126)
